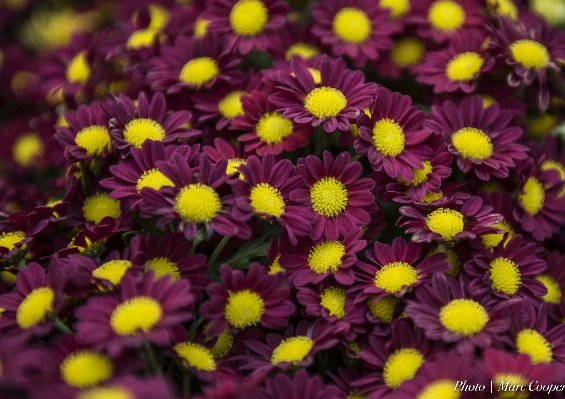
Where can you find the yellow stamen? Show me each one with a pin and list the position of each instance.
(352, 25)
(328, 196)
(446, 16)
(244, 308)
(325, 102)
(248, 17)
(388, 137)
(464, 66)
(463, 316)
(199, 71)
(530, 54)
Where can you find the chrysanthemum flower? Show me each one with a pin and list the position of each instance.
(393, 137)
(459, 65)
(265, 130)
(340, 200)
(447, 311)
(483, 139)
(148, 120)
(359, 29)
(502, 203)
(553, 160)
(395, 269)
(406, 54)
(300, 386)
(143, 310)
(248, 24)
(244, 301)
(312, 262)
(224, 150)
(13, 244)
(554, 281)
(296, 42)
(266, 193)
(334, 103)
(274, 252)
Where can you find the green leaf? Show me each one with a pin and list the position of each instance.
(247, 252)
(148, 225)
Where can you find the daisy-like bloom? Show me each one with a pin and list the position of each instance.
(311, 262)
(554, 281)
(274, 252)
(406, 54)
(502, 203)
(265, 129)
(334, 102)
(482, 139)
(244, 301)
(13, 244)
(300, 386)
(359, 29)
(395, 269)
(448, 312)
(191, 63)
(340, 200)
(393, 137)
(196, 199)
(296, 41)
(133, 174)
(266, 193)
(553, 160)
(508, 272)
(459, 65)
(246, 24)
(148, 120)
(225, 150)
(143, 310)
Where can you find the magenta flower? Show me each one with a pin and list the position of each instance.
(300, 386)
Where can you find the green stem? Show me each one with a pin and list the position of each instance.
(84, 178)
(59, 325)
(151, 358)
(186, 380)
(319, 142)
(200, 236)
(216, 253)
(357, 157)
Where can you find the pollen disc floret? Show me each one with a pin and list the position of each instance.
(112, 392)
(445, 222)
(325, 102)
(78, 70)
(272, 128)
(196, 356)
(99, 206)
(420, 175)
(464, 66)
(492, 240)
(533, 196)
(352, 25)
(142, 38)
(535, 345)
(244, 308)
(199, 71)
(463, 316)
(248, 17)
(383, 308)
(292, 350)
(35, 307)
(439, 389)
(139, 130)
(397, 8)
(328, 196)
(86, 368)
(154, 179)
(394, 276)
(505, 276)
(26, 148)
(530, 54)
(230, 105)
(94, 139)
(402, 365)
(197, 203)
(388, 137)
(407, 52)
(138, 313)
(333, 299)
(267, 199)
(554, 293)
(326, 257)
(446, 15)
(472, 142)
(233, 164)
(164, 267)
(10, 239)
(112, 271)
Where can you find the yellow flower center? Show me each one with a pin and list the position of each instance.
(326, 256)
(138, 313)
(440, 389)
(553, 289)
(464, 66)
(325, 102)
(99, 206)
(199, 71)
(505, 276)
(276, 267)
(463, 316)
(273, 128)
(94, 139)
(303, 50)
(352, 25)
(328, 196)
(535, 345)
(402, 365)
(112, 271)
(223, 343)
(196, 356)
(388, 137)
(164, 267)
(505, 8)
(35, 307)
(230, 105)
(244, 308)
(159, 16)
(233, 165)
(112, 392)
(530, 54)
(492, 240)
(292, 350)
(420, 175)
(431, 197)
(139, 130)
(267, 199)
(142, 38)
(9, 279)
(197, 203)
(472, 142)
(248, 17)
(533, 196)
(26, 148)
(394, 276)
(445, 222)
(407, 51)
(200, 27)
(333, 299)
(487, 100)
(154, 179)
(511, 379)
(446, 16)
(78, 70)
(10, 239)
(86, 368)
(398, 8)
(383, 308)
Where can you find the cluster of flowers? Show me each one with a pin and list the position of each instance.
(228, 199)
